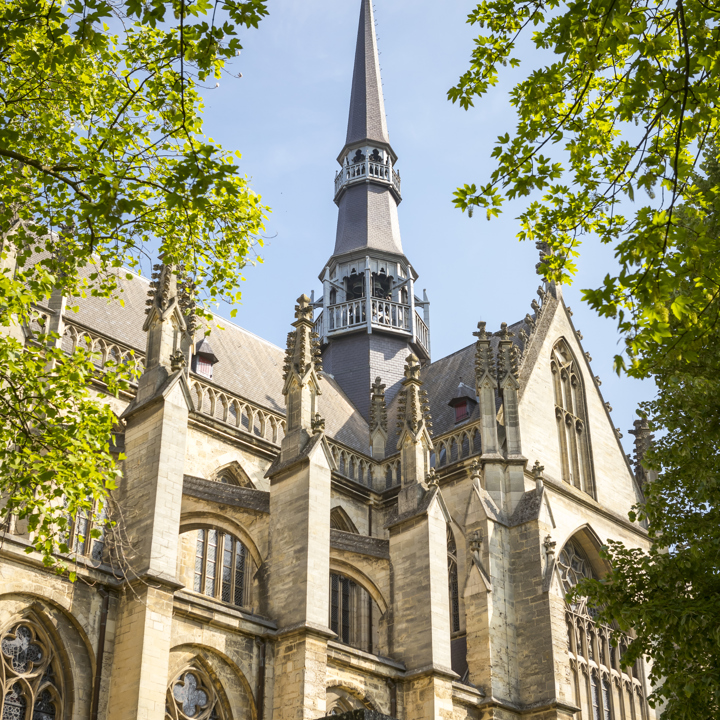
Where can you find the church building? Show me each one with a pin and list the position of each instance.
(344, 526)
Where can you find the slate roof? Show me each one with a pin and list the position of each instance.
(441, 380)
(367, 107)
(247, 365)
(251, 367)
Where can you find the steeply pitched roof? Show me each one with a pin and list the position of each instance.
(441, 380)
(247, 365)
(367, 218)
(367, 107)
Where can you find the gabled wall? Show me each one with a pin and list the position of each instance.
(614, 483)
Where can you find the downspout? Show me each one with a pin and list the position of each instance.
(100, 654)
(261, 682)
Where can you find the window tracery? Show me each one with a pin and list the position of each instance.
(601, 685)
(223, 567)
(30, 676)
(571, 416)
(353, 614)
(453, 587)
(191, 696)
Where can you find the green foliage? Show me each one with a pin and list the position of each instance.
(609, 134)
(102, 161)
(628, 110)
(670, 596)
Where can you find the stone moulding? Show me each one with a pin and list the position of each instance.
(362, 715)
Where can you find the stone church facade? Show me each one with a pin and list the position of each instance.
(342, 525)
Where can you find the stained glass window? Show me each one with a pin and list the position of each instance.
(453, 582)
(27, 652)
(571, 416)
(222, 567)
(353, 613)
(192, 696)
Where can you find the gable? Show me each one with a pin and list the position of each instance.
(614, 484)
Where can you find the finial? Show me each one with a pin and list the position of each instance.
(177, 361)
(303, 309)
(317, 424)
(378, 407)
(537, 471)
(481, 333)
(504, 334)
(412, 367)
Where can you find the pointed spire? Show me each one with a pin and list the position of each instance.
(414, 441)
(367, 186)
(302, 381)
(643, 442)
(366, 120)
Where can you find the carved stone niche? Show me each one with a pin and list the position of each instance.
(361, 715)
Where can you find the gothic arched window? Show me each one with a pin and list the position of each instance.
(191, 696)
(354, 614)
(591, 649)
(30, 677)
(223, 567)
(571, 416)
(453, 582)
(85, 534)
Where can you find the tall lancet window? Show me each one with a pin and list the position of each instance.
(571, 416)
(453, 587)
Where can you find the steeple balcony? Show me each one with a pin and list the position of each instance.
(367, 164)
(390, 306)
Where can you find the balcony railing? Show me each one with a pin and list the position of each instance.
(390, 314)
(364, 169)
(422, 333)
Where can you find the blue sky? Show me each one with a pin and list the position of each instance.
(287, 115)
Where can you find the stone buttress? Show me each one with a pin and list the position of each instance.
(299, 534)
(150, 498)
(421, 611)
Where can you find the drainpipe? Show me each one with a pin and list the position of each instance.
(100, 654)
(261, 682)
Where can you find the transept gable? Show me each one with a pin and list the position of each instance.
(610, 479)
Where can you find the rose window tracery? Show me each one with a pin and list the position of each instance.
(30, 680)
(191, 696)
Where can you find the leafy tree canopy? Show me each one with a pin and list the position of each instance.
(609, 134)
(102, 160)
(617, 140)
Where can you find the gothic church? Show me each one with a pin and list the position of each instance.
(343, 526)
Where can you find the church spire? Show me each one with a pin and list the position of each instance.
(367, 187)
(369, 322)
(367, 108)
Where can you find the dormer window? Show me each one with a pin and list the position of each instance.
(463, 402)
(204, 367)
(204, 359)
(461, 411)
